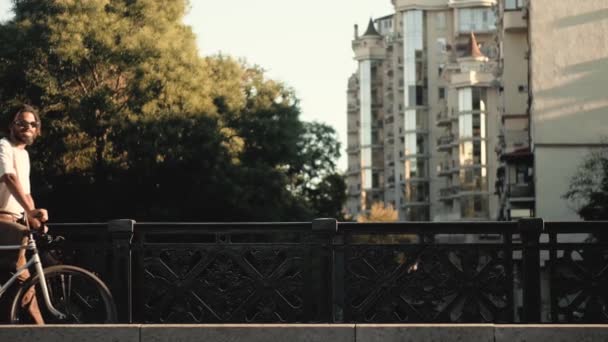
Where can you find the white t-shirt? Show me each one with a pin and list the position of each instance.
(16, 161)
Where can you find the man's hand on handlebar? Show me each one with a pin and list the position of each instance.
(36, 218)
(40, 214)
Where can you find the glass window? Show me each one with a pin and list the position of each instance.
(366, 103)
(441, 45)
(441, 21)
(410, 120)
(415, 192)
(474, 207)
(375, 180)
(441, 93)
(410, 143)
(514, 4)
(478, 98)
(415, 168)
(473, 152)
(465, 125)
(476, 19)
(473, 179)
(420, 96)
(366, 178)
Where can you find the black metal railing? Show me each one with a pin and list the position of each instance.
(325, 271)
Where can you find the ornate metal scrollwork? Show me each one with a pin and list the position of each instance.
(432, 284)
(579, 282)
(232, 284)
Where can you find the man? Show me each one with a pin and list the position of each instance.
(15, 199)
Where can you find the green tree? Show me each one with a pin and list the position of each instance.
(588, 189)
(96, 67)
(380, 212)
(136, 124)
(315, 177)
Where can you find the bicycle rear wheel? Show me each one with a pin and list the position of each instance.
(74, 291)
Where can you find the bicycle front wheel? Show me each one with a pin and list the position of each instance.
(74, 291)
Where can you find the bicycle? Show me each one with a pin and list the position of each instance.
(65, 294)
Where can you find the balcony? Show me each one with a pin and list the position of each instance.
(415, 203)
(513, 140)
(470, 3)
(353, 171)
(445, 143)
(353, 149)
(443, 119)
(515, 21)
(448, 193)
(520, 192)
(446, 168)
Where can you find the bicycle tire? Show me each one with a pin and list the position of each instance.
(73, 291)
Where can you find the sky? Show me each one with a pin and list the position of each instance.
(306, 44)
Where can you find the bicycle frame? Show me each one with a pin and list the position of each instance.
(34, 260)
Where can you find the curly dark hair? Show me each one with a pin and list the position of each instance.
(24, 108)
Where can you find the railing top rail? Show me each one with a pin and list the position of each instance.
(79, 224)
(169, 227)
(468, 227)
(575, 227)
(461, 227)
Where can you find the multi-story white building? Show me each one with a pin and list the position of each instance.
(423, 112)
(476, 109)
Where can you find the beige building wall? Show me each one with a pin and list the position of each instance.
(569, 73)
(552, 178)
(515, 78)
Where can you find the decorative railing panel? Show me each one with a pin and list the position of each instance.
(329, 272)
(224, 273)
(402, 277)
(578, 271)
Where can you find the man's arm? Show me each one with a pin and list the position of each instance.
(26, 200)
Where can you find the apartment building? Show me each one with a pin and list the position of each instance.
(476, 109)
(423, 112)
(515, 172)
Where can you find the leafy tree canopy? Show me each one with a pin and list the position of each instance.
(136, 124)
(588, 189)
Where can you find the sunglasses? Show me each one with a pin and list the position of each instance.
(27, 124)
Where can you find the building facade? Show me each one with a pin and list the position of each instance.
(476, 109)
(423, 112)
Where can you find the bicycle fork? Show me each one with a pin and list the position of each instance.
(44, 288)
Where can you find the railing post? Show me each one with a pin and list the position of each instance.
(324, 268)
(121, 232)
(530, 230)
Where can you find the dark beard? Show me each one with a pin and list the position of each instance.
(19, 138)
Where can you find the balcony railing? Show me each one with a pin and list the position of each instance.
(520, 190)
(512, 140)
(445, 142)
(448, 192)
(332, 272)
(443, 118)
(514, 21)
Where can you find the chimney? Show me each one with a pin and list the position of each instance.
(356, 31)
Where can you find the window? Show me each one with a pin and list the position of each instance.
(416, 96)
(514, 4)
(474, 207)
(441, 93)
(476, 19)
(441, 22)
(375, 180)
(441, 45)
